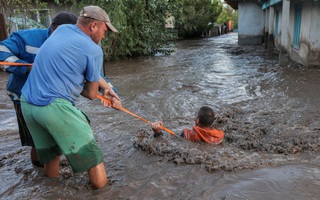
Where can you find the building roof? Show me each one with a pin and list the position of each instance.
(232, 3)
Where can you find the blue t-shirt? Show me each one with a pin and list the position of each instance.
(63, 63)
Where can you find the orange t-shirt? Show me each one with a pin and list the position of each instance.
(209, 135)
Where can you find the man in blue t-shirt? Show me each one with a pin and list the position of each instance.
(68, 65)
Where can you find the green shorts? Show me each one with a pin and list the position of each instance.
(60, 128)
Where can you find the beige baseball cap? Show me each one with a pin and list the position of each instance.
(97, 13)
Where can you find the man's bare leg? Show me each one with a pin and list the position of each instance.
(52, 168)
(97, 176)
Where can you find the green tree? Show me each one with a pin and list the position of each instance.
(234, 19)
(215, 10)
(195, 16)
(140, 24)
(228, 14)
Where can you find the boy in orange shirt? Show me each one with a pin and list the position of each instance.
(202, 131)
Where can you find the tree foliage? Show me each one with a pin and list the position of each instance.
(140, 24)
(195, 16)
(227, 14)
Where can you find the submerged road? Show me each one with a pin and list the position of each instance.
(270, 116)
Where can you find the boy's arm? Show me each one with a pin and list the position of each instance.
(156, 127)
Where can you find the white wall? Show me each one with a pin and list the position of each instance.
(284, 26)
(250, 22)
(250, 18)
(314, 34)
(309, 50)
(315, 26)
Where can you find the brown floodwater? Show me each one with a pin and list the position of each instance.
(270, 116)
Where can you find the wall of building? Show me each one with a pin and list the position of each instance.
(304, 33)
(277, 37)
(284, 40)
(314, 34)
(250, 23)
(309, 51)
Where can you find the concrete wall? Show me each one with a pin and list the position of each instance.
(309, 51)
(314, 34)
(257, 26)
(304, 33)
(266, 28)
(271, 19)
(250, 23)
(277, 37)
(284, 40)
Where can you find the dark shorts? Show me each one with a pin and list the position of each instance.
(25, 136)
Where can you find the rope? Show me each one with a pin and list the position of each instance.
(131, 113)
(15, 64)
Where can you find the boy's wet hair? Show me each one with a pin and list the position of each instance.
(206, 116)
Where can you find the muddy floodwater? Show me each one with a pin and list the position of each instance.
(270, 116)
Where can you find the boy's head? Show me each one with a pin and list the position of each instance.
(205, 116)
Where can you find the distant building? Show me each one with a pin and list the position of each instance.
(169, 22)
(290, 26)
(35, 18)
(31, 18)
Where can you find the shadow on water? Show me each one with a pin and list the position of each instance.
(269, 114)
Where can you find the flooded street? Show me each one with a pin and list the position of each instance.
(270, 116)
